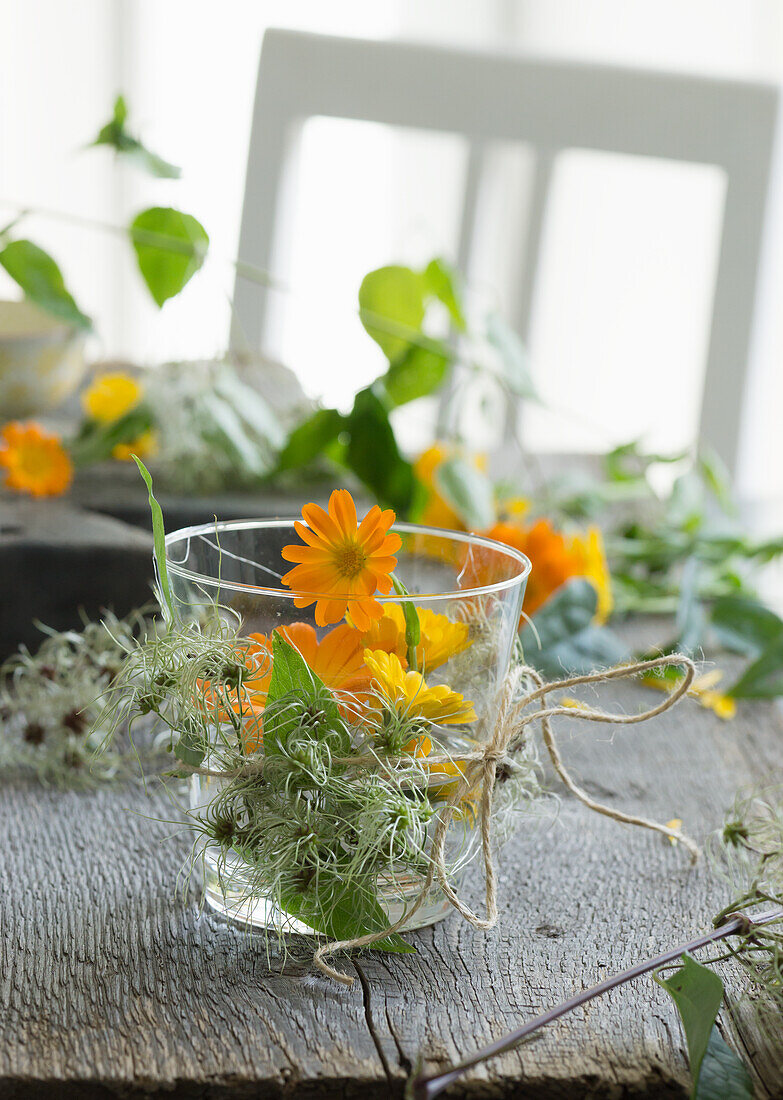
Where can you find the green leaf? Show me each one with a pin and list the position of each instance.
(343, 910)
(117, 137)
(228, 434)
(723, 1076)
(691, 617)
(96, 440)
(697, 992)
(309, 438)
(251, 408)
(189, 749)
(744, 625)
(468, 491)
(419, 371)
(764, 678)
(158, 539)
(42, 282)
(412, 624)
(292, 676)
(717, 478)
(716, 1071)
(373, 455)
(170, 248)
(514, 357)
(391, 308)
(441, 281)
(566, 640)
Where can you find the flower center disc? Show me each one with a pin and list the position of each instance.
(350, 560)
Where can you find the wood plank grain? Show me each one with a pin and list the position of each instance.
(112, 982)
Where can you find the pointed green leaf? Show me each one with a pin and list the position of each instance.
(292, 678)
(412, 624)
(42, 282)
(308, 440)
(170, 248)
(391, 308)
(697, 992)
(442, 282)
(764, 678)
(373, 455)
(744, 625)
(158, 540)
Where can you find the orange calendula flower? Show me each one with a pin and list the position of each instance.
(556, 558)
(440, 637)
(343, 563)
(410, 695)
(35, 461)
(110, 396)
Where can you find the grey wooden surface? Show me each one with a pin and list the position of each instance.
(112, 982)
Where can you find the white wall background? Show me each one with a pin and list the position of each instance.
(628, 241)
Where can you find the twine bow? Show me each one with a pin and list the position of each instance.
(481, 765)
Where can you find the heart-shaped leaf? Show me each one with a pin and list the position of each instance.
(391, 308)
(170, 248)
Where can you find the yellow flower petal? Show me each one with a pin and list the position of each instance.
(410, 695)
(110, 396)
(675, 823)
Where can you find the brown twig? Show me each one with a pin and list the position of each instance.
(735, 924)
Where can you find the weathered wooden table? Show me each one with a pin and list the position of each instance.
(113, 983)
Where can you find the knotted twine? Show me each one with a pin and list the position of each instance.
(481, 766)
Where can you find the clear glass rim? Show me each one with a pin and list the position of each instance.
(184, 534)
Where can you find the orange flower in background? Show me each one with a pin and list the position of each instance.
(35, 461)
(342, 564)
(556, 559)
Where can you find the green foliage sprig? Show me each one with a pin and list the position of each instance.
(397, 307)
(170, 246)
(116, 135)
